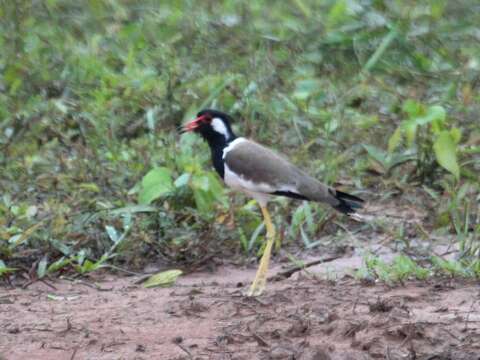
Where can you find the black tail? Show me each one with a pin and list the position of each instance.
(349, 204)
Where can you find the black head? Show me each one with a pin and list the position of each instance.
(213, 126)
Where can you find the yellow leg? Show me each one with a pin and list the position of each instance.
(260, 281)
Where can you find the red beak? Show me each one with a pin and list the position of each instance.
(192, 125)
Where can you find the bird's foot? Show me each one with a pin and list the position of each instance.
(260, 282)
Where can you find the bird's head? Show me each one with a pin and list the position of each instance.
(212, 125)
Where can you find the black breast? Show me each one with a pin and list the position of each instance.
(217, 159)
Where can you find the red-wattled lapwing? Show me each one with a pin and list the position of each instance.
(259, 172)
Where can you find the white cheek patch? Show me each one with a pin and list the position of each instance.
(219, 126)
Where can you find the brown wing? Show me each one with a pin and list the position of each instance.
(256, 163)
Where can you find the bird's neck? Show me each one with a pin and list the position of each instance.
(216, 147)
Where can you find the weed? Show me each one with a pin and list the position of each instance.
(91, 96)
(399, 269)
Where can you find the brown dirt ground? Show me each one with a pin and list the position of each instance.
(205, 316)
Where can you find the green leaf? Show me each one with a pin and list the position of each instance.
(255, 235)
(456, 135)
(216, 188)
(182, 180)
(64, 249)
(163, 279)
(395, 140)
(446, 153)
(451, 267)
(435, 116)
(4, 269)
(306, 88)
(338, 13)
(112, 233)
(201, 182)
(203, 200)
(133, 209)
(42, 267)
(92, 187)
(377, 154)
(386, 42)
(59, 264)
(156, 183)
(412, 108)
(410, 129)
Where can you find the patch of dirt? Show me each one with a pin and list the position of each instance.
(205, 316)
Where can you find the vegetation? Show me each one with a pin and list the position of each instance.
(380, 97)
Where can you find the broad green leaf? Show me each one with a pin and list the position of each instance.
(42, 267)
(133, 209)
(451, 267)
(306, 240)
(337, 14)
(255, 235)
(163, 279)
(60, 246)
(4, 269)
(207, 190)
(92, 187)
(384, 45)
(306, 88)
(203, 200)
(377, 154)
(297, 219)
(17, 240)
(201, 182)
(88, 266)
(151, 119)
(112, 233)
(446, 153)
(59, 264)
(412, 108)
(216, 188)
(395, 140)
(156, 183)
(436, 115)
(80, 257)
(456, 135)
(182, 180)
(410, 129)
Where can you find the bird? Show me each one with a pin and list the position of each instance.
(261, 173)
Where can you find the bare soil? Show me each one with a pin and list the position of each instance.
(205, 316)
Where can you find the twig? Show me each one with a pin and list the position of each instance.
(468, 314)
(124, 270)
(388, 353)
(197, 264)
(67, 329)
(261, 341)
(289, 272)
(86, 283)
(73, 354)
(48, 284)
(33, 281)
(178, 342)
(144, 277)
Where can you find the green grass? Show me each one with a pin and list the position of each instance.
(91, 95)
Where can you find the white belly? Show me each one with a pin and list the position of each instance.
(259, 191)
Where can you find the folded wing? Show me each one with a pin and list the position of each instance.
(267, 172)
